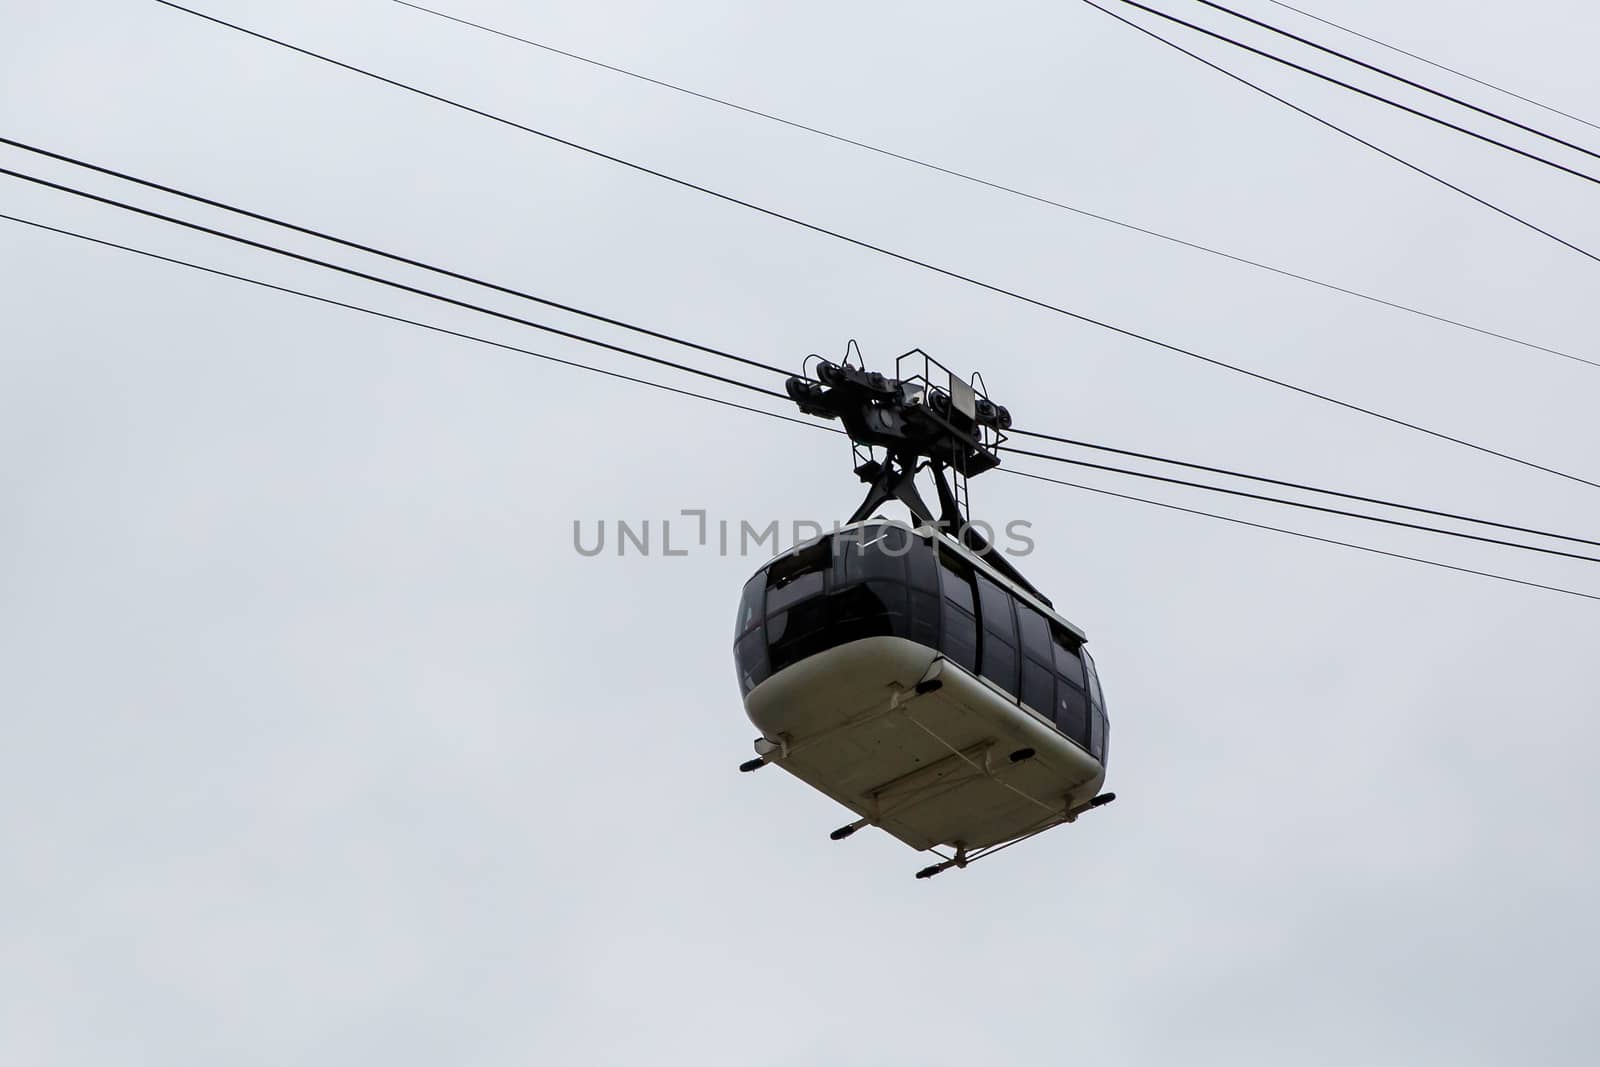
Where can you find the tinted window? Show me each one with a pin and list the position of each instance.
(994, 610)
(799, 632)
(750, 660)
(1035, 634)
(1038, 660)
(923, 565)
(1038, 687)
(1095, 696)
(956, 584)
(959, 640)
(871, 552)
(1098, 726)
(999, 663)
(794, 589)
(879, 580)
(1072, 713)
(797, 576)
(1068, 665)
(750, 604)
(924, 618)
(997, 655)
(869, 609)
(813, 557)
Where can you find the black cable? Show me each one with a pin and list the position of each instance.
(758, 411)
(887, 252)
(1299, 485)
(409, 322)
(1475, 198)
(1306, 536)
(395, 257)
(615, 348)
(1523, 152)
(774, 394)
(1396, 77)
(351, 271)
(1321, 508)
(380, 252)
(1435, 65)
(999, 186)
(780, 396)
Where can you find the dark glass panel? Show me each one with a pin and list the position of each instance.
(955, 582)
(750, 604)
(806, 566)
(999, 662)
(1068, 665)
(795, 589)
(1097, 732)
(871, 552)
(797, 633)
(1034, 630)
(1038, 687)
(994, 611)
(959, 642)
(868, 609)
(847, 547)
(1072, 713)
(923, 564)
(1095, 696)
(750, 660)
(924, 619)
(1105, 737)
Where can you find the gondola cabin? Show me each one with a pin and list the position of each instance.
(896, 671)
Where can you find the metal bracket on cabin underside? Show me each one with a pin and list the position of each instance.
(774, 750)
(963, 858)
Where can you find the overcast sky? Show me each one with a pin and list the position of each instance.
(322, 745)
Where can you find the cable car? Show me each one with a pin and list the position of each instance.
(911, 674)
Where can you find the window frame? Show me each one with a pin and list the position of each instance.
(1001, 600)
(955, 575)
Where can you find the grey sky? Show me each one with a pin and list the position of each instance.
(322, 744)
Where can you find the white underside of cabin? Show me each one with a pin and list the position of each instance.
(931, 768)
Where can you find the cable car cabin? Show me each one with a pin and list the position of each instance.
(898, 673)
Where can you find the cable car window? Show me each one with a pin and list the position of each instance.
(959, 642)
(812, 557)
(1035, 634)
(924, 618)
(796, 577)
(799, 632)
(997, 656)
(923, 565)
(750, 604)
(999, 663)
(1072, 713)
(956, 584)
(1038, 686)
(959, 639)
(871, 552)
(1097, 733)
(1095, 696)
(1038, 661)
(797, 588)
(750, 657)
(1068, 665)
(994, 605)
(1105, 737)
(868, 609)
